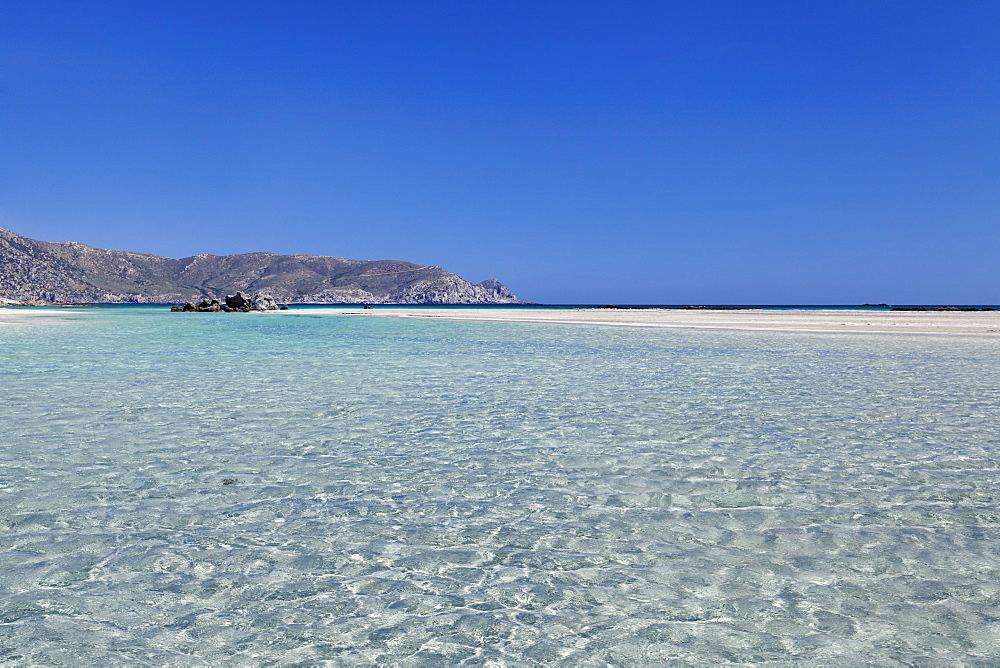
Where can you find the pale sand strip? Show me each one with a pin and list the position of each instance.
(961, 323)
(32, 316)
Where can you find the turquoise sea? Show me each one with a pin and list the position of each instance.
(295, 488)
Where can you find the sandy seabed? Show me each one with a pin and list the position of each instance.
(954, 323)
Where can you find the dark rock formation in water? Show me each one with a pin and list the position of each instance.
(238, 303)
(72, 272)
(244, 302)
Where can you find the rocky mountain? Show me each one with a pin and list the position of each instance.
(72, 272)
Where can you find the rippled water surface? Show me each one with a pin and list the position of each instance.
(293, 488)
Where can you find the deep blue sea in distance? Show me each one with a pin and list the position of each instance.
(301, 488)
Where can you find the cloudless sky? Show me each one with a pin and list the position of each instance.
(580, 152)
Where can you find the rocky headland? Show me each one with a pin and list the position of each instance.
(71, 272)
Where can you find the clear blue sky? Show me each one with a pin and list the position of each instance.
(628, 152)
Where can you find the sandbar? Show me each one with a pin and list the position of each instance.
(948, 323)
(28, 316)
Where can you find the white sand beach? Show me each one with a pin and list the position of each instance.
(952, 323)
(37, 315)
(944, 323)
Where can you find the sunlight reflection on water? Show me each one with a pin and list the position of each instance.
(193, 488)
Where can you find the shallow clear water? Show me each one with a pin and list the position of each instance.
(295, 488)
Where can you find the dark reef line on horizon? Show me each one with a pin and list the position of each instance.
(943, 308)
(884, 307)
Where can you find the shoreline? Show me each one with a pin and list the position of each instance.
(815, 321)
(950, 323)
(36, 315)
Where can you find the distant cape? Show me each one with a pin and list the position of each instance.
(68, 271)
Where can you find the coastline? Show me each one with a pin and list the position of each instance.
(959, 323)
(833, 321)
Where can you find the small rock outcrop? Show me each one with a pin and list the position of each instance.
(241, 302)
